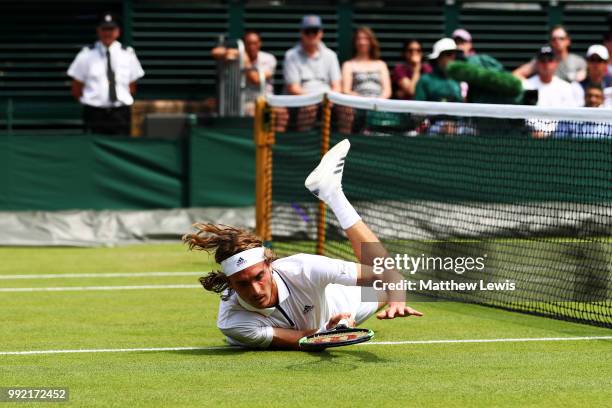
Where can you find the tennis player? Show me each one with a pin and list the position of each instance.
(272, 302)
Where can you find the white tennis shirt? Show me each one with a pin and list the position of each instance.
(89, 67)
(305, 301)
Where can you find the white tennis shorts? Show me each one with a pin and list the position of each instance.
(343, 299)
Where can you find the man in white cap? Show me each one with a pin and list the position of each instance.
(436, 86)
(597, 73)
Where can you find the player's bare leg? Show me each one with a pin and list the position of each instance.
(325, 181)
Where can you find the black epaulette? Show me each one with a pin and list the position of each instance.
(92, 46)
(125, 47)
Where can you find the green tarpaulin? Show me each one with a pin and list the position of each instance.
(222, 164)
(90, 172)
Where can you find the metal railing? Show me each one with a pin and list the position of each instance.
(232, 84)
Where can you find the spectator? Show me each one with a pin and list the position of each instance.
(466, 51)
(407, 74)
(436, 86)
(104, 78)
(366, 74)
(310, 66)
(597, 72)
(570, 67)
(593, 98)
(463, 39)
(255, 61)
(552, 91)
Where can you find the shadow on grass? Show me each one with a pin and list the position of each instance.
(220, 351)
(336, 360)
(327, 360)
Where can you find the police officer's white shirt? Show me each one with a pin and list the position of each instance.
(305, 301)
(89, 67)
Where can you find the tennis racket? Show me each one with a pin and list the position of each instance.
(341, 335)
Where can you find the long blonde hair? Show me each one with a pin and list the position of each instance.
(224, 241)
(374, 44)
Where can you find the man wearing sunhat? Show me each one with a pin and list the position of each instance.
(436, 86)
(104, 78)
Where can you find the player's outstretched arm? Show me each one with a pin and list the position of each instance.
(288, 338)
(395, 300)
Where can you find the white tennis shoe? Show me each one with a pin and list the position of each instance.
(326, 178)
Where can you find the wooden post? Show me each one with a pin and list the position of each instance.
(264, 139)
(325, 134)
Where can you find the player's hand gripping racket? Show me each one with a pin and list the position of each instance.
(341, 335)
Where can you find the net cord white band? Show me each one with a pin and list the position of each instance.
(243, 260)
(294, 101)
(447, 108)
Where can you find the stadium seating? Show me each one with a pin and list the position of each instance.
(173, 40)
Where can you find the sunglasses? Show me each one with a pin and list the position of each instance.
(546, 60)
(413, 50)
(596, 60)
(559, 38)
(311, 31)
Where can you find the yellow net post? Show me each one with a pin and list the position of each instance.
(325, 133)
(264, 139)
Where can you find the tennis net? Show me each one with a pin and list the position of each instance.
(527, 189)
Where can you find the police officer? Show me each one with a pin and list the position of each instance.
(104, 79)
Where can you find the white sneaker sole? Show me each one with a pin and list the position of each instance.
(331, 163)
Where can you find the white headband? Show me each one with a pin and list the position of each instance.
(243, 260)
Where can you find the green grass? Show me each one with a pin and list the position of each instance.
(572, 373)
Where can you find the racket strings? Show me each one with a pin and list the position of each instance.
(337, 337)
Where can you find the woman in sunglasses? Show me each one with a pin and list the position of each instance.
(407, 73)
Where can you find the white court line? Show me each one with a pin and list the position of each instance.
(98, 275)
(86, 288)
(376, 343)
(125, 350)
(393, 343)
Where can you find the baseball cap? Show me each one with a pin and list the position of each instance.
(311, 21)
(462, 34)
(443, 45)
(545, 52)
(599, 50)
(108, 20)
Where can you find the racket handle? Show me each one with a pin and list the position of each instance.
(342, 324)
